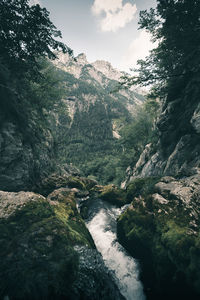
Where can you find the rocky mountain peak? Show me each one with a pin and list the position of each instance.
(74, 66)
(107, 69)
(63, 58)
(82, 59)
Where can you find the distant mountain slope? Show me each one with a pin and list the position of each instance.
(97, 114)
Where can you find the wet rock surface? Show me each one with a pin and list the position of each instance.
(94, 281)
(161, 229)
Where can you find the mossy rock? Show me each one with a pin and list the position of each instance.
(164, 234)
(56, 181)
(89, 183)
(140, 186)
(37, 240)
(112, 194)
(76, 182)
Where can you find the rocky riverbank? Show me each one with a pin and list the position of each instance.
(46, 250)
(161, 229)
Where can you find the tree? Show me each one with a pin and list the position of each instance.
(175, 25)
(26, 33)
(28, 81)
(140, 132)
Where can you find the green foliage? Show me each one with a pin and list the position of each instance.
(136, 135)
(27, 102)
(30, 86)
(141, 186)
(136, 228)
(89, 143)
(74, 182)
(175, 27)
(26, 33)
(48, 89)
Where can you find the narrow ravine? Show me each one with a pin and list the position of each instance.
(102, 226)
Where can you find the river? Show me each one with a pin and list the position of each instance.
(102, 226)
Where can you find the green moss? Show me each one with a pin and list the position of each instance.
(113, 195)
(141, 186)
(56, 181)
(136, 229)
(88, 182)
(75, 182)
(37, 244)
(160, 236)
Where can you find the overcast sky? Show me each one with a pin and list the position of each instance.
(102, 29)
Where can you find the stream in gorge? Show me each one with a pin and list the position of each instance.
(102, 225)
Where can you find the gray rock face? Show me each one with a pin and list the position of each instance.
(28, 155)
(100, 74)
(195, 121)
(181, 190)
(21, 161)
(179, 143)
(161, 227)
(12, 202)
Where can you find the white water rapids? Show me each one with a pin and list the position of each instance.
(102, 226)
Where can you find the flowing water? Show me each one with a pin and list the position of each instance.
(102, 226)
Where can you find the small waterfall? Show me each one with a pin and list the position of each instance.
(102, 226)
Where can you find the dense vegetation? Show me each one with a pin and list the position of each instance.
(28, 82)
(161, 226)
(31, 90)
(174, 25)
(90, 144)
(26, 33)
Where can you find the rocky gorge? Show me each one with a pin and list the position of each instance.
(99, 186)
(47, 251)
(43, 212)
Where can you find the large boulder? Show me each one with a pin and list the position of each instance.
(46, 250)
(161, 228)
(112, 194)
(60, 179)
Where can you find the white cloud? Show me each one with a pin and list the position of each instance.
(116, 15)
(100, 6)
(138, 49)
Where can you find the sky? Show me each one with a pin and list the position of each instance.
(102, 29)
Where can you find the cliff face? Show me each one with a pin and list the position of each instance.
(22, 159)
(101, 76)
(161, 227)
(28, 153)
(178, 149)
